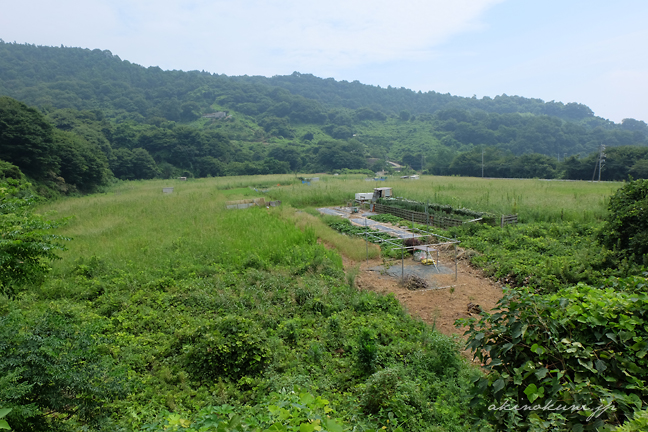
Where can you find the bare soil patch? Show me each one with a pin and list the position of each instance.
(447, 300)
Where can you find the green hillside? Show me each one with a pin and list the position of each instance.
(154, 123)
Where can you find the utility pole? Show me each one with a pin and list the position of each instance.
(599, 163)
(601, 160)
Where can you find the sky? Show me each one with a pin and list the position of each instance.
(593, 52)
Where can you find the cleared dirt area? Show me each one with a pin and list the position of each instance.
(446, 299)
(436, 306)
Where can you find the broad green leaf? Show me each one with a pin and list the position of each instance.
(332, 426)
(277, 427)
(307, 427)
(577, 428)
(533, 392)
(235, 421)
(498, 385)
(600, 366)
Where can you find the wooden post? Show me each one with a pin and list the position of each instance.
(502, 221)
(455, 251)
(367, 240)
(403, 262)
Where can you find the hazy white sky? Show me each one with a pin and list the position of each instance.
(589, 51)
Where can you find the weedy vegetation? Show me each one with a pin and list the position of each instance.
(170, 312)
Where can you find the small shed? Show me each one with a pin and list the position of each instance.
(383, 192)
(364, 196)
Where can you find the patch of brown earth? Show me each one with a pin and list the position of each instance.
(438, 307)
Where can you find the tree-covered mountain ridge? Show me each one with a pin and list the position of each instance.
(32, 65)
(149, 122)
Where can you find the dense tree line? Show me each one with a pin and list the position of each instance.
(58, 158)
(97, 116)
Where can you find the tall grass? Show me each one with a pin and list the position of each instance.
(351, 247)
(533, 200)
(136, 226)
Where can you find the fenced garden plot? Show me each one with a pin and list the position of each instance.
(391, 245)
(423, 218)
(440, 221)
(412, 243)
(438, 214)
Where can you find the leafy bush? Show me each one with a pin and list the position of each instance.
(638, 423)
(283, 412)
(380, 389)
(366, 351)
(582, 346)
(544, 256)
(626, 229)
(8, 170)
(26, 245)
(232, 348)
(56, 362)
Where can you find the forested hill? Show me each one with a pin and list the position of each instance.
(79, 78)
(153, 123)
(354, 95)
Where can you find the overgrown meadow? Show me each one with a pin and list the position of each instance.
(169, 312)
(534, 200)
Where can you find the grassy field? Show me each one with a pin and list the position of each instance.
(533, 200)
(162, 290)
(158, 281)
(136, 223)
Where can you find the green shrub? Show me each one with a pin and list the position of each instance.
(582, 346)
(11, 171)
(544, 256)
(26, 243)
(290, 331)
(366, 351)
(379, 389)
(56, 362)
(639, 423)
(232, 348)
(626, 228)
